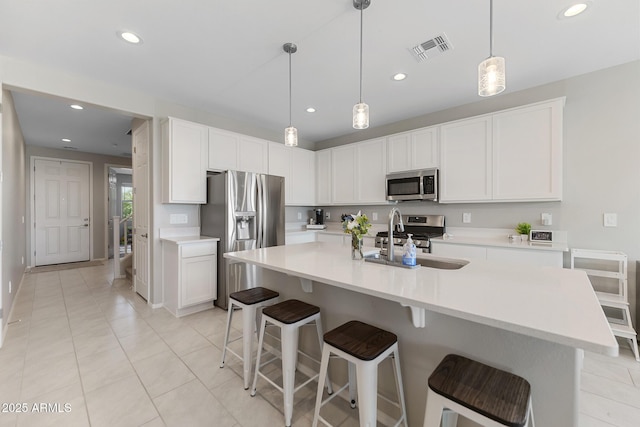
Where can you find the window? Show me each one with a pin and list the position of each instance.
(126, 197)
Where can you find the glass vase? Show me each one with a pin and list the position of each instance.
(356, 247)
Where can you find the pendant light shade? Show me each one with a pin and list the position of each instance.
(491, 76)
(360, 116)
(491, 71)
(290, 133)
(361, 110)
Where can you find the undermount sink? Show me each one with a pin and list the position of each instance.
(432, 262)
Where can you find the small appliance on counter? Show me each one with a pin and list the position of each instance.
(420, 227)
(316, 222)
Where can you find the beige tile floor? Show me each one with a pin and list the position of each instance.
(93, 351)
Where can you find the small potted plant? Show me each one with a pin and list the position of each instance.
(523, 229)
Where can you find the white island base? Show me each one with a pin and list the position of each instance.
(533, 323)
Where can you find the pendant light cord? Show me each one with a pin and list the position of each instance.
(361, 23)
(289, 87)
(490, 28)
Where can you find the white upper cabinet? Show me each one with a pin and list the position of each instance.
(253, 155)
(298, 167)
(323, 177)
(371, 165)
(465, 160)
(230, 150)
(343, 174)
(527, 153)
(514, 155)
(223, 149)
(184, 161)
(357, 173)
(413, 150)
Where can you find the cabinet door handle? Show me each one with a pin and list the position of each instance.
(144, 235)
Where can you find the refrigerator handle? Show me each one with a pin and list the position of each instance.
(260, 214)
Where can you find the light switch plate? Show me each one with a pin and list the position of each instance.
(610, 220)
(466, 217)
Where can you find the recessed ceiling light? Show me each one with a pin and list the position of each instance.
(399, 76)
(311, 110)
(76, 107)
(574, 9)
(66, 140)
(130, 37)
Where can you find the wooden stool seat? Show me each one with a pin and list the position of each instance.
(254, 295)
(290, 311)
(495, 394)
(360, 340)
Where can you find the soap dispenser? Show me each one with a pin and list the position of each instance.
(409, 252)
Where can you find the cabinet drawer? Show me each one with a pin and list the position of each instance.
(199, 249)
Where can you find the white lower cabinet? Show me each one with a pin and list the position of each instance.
(189, 276)
(330, 238)
(540, 258)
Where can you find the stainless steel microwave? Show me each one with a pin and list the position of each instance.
(419, 184)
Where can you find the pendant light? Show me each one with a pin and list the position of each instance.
(361, 110)
(491, 71)
(290, 133)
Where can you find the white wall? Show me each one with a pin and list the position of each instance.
(13, 206)
(601, 156)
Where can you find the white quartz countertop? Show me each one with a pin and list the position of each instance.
(553, 304)
(181, 240)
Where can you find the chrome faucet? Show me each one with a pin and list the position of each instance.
(394, 212)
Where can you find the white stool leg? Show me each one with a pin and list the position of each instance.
(433, 411)
(449, 418)
(248, 319)
(367, 380)
(263, 326)
(321, 342)
(226, 334)
(531, 423)
(399, 386)
(289, 358)
(353, 388)
(324, 367)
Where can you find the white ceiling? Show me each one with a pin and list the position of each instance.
(226, 57)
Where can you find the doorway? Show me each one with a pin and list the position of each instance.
(120, 204)
(62, 211)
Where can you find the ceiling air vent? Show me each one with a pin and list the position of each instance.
(432, 47)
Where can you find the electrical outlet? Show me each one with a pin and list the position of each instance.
(610, 220)
(178, 219)
(546, 219)
(327, 215)
(466, 217)
(299, 215)
(374, 216)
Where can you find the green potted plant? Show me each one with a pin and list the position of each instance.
(523, 228)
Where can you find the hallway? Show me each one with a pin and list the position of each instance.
(99, 356)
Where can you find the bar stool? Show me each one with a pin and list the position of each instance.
(249, 300)
(289, 316)
(486, 395)
(364, 347)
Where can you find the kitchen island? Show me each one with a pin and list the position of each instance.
(531, 321)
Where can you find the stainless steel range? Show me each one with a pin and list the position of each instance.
(421, 228)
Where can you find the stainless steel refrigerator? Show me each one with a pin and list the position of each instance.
(246, 211)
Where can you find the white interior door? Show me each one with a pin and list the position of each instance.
(140, 160)
(61, 211)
